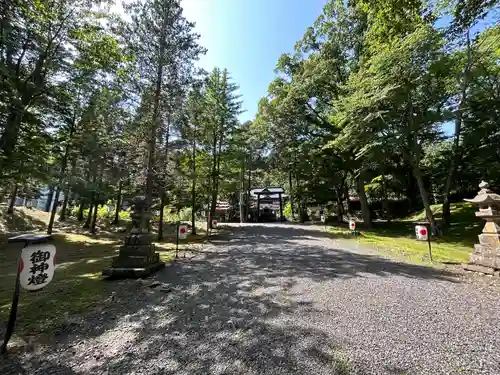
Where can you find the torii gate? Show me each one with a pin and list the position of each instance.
(269, 193)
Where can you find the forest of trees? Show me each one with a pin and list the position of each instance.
(107, 107)
(389, 101)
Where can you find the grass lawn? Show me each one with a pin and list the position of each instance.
(77, 285)
(397, 239)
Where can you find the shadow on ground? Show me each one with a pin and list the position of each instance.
(19, 221)
(223, 311)
(262, 246)
(459, 233)
(463, 230)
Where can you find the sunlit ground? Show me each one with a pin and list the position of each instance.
(77, 285)
(397, 239)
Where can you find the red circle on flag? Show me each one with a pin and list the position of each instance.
(182, 230)
(423, 231)
(21, 265)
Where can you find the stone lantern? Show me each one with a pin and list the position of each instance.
(487, 252)
(137, 257)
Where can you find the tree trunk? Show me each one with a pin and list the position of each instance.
(64, 162)
(340, 201)
(193, 188)
(208, 202)
(156, 115)
(249, 185)
(347, 199)
(300, 207)
(193, 210)
(53, 211)
(218, 167)
(12, 201)
(94, 218)
(118, 206)
(365, 208)
(163, 197)
(91, 207)
(414, 161)
(67, 191)
(213, 203)
(98, 195)
(62, 214)
(290, 196)
(385, 199)
(79, 216)
(160, 223)
(455, 154)
(242, 191)
(340, 210)
(446, 217)
(50, 196)
(425, 198)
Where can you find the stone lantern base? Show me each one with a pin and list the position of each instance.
(487, 252)
(137, 257)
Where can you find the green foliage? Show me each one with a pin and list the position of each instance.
(103, 211)
(462, 212)
(361, 104)
(124, 215)
(112, 107)
(184, 214)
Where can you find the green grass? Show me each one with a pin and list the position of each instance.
(77, 286)
(397, 239)
(461, 212)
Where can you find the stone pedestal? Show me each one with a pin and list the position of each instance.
(137, 257)
(487, 252)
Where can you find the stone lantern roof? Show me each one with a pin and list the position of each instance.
(485, 197)
(486, 255)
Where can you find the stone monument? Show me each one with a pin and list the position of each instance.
(137, 257)
(487, 252)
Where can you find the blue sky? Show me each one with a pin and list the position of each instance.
(248, 36)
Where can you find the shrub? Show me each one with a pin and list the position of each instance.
(102, 211)
(185, 214)
(124, 215)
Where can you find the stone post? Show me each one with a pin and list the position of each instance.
(137, 257)
(487, 252)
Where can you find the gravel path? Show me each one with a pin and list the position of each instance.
(281, 299)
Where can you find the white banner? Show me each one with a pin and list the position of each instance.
(183, 231)
(352, 225)
(37, 266)
(421, 232)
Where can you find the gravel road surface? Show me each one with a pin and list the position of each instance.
(281, 299)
